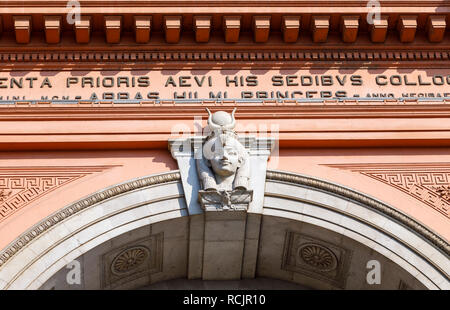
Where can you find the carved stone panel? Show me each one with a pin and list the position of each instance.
(426, 182)
(132, 261)
(316, 258)
(225, 200)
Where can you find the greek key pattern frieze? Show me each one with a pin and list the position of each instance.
(424, 186)
(19, 191)
(20, 186)
(428, 183)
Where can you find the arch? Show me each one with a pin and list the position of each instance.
(411, 245)
(79, 227)
(47, 247)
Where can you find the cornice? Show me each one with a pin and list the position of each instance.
(225, 3)
(351, 25)
(187, 53)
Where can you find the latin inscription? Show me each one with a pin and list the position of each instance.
(223, 84)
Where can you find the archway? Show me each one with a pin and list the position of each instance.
(311, 232)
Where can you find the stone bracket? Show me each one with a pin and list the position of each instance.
(83, 29)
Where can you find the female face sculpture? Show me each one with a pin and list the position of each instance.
(223, 167)
(226, 158)
(223, 161)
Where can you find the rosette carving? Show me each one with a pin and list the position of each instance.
(318, 256)
(129, 259)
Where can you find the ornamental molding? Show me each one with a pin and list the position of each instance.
(279, 23)
(426, 182)
(220, 58)
(21, 186)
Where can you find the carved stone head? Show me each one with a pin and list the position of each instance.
(226, 156)
(223, 164)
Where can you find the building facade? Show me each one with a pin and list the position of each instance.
(342, 112)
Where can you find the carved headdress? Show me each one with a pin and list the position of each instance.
(221, 120)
